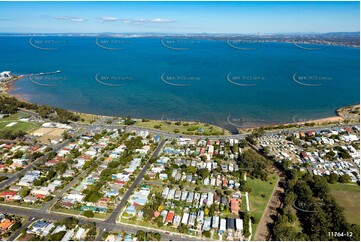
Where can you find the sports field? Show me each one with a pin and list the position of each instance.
(13, 124)
(348, 197)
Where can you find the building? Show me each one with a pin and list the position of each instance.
(170, 217)
(6, 224)
(185, 218)
(239, 224)
(8, 195)
(215, 222)
(230, 224)
(222, 226)
(5, 75)
(234, 204)
(68, 235)
(207, 224)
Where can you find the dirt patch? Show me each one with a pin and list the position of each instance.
(46, 134)
(263, 232)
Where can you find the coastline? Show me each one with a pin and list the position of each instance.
(337, 119)
(7, 87)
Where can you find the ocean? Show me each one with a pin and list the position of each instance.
(227, 83)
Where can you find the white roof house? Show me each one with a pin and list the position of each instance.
(200, 216)
(222, 226)
(210, 199)
(171, 194)
(239, 224)
(207, 224)
(68, 235)
(79, 233)
(165, 192)
(215, 222)
(47, 229)
(185, 218)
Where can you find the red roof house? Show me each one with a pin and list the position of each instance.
(156, 214)
(40, 196)
(8, 195)
(169, 217)
(234, 202)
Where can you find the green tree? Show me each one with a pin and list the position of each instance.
(191, 169)
(16, 226)
(333, 178)
(345, 178)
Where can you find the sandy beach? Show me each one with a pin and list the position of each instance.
(9, 85)
(314, 122)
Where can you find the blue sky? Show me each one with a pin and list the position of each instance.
(179, 17)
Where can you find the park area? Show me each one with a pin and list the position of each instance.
(259, 197)
(182, 127)
(348, 197)
(14, 124)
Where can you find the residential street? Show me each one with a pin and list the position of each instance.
(52, 216)
(113, 217)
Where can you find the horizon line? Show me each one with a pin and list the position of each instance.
(210, 33)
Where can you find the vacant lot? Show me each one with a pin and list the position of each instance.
(259, 196)
(348, 197)
(46, 134)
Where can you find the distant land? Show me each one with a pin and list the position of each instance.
(332, 38)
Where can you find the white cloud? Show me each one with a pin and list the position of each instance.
(162, 20)
(78, 19)
(137, 20)
(109, 19)
(69, 18)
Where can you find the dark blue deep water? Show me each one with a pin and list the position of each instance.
(263, 91)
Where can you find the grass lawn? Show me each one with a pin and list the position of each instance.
(24, 126)
(101, 215)
(348, 197)
(87, 117)
(192, 126)
(12, 117)
(258, 203)
(23, 204)
(167, 126)
(66, 210)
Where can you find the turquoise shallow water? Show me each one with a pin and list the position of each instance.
(204, 80)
